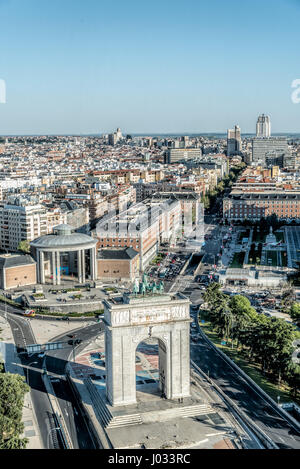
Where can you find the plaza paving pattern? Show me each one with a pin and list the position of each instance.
(92, 364)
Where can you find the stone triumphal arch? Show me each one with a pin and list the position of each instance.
(130, 320)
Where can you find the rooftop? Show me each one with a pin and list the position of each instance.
(63, 236)
(119, 254)
(15, 260)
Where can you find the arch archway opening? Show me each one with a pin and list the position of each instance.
(151, 368)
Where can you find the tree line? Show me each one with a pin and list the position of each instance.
(12, 393)
(210, 198)
(262, 340)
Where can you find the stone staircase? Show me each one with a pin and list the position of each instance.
(109, 420)
(177, 412)
(125, 420)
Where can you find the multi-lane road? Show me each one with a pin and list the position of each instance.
(55, 363)
(32, 365)
(244, 395)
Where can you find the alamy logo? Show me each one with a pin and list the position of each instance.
(2, 92)
(295, 96)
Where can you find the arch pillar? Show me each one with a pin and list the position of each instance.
(93, 263)
(83, 265)
(79, 266)
(53, 265)
(58, 268)
(41, 267)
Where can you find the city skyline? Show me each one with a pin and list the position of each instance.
(191, 69)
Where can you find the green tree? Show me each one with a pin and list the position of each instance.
(223, 318)
(12, 392)
(243, 313)
(295, 313)
(24, 246)
(213, 294)
(288, 298)
(292, 377)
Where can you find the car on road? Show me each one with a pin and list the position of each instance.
(29, 313)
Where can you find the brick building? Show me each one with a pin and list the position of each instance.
(16, 271)
(142, 227)
(118, 264)
(257, 204)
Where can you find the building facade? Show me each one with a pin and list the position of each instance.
(118, 264)
(255, 205)
(234, 141)
(21, 222)
(142, 227)
(17, 271)
(269, 151)
(177, 154)
(263, 126)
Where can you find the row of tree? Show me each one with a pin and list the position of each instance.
(210, 198)
(263, 340)
(12, 393)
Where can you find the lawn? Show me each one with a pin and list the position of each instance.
(251, 369)
(273, 256)
(279, 236)
(259, 237)
(254, 257)
(238, 260)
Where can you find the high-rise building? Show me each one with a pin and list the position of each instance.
(112, 139)
(21, 221)
(233, 141)
(119, 134)
(115, 137)
(269, 151)
(263, 126)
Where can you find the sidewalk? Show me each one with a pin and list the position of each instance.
(13, 365)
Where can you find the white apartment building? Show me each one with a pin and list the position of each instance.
(21, 222)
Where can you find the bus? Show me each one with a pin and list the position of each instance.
(29, 313)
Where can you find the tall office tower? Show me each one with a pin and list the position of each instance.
(233, 141)
(119, 134)
(185, 141)
(263, 126)
(112, 139)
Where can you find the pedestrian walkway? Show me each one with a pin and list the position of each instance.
(12, 364)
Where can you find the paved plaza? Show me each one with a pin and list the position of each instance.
(152, 422)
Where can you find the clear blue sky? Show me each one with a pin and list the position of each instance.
(88, 66)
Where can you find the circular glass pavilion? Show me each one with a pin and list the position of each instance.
(65, 251)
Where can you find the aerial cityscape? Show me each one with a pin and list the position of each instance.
(149, 242)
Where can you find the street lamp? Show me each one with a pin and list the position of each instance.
(32, 363)
(278, 400)
(51, 430)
